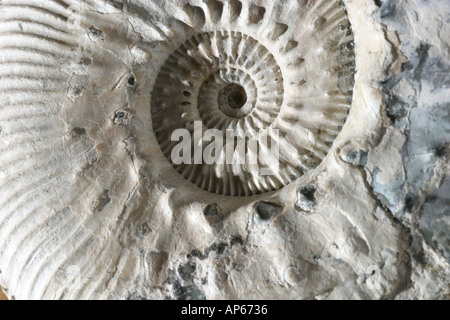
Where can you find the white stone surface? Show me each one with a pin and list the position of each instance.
(91, 208)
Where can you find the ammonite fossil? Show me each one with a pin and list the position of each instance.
(251, 69)
(93, 206)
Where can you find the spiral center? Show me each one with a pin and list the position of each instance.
(233, 95)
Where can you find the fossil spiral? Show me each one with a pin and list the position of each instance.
(92, 205)
(295, 87)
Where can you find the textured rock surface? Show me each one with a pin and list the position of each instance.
(418, 104)
(92, 208)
